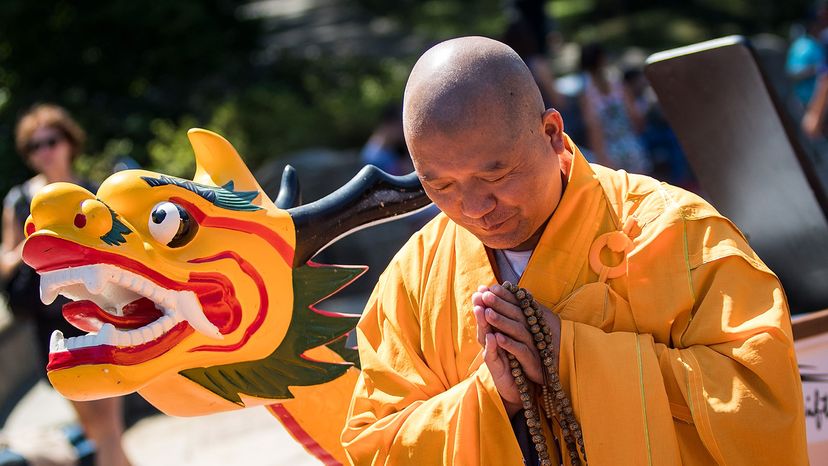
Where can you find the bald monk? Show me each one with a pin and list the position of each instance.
(673, 338)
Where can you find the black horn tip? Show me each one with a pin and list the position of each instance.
(290, 194)
(409, 181)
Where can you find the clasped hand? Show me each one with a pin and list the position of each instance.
(501, 329)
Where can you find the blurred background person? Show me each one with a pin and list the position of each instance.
(528, 33)
(386, 147)
(386, 150)
(806, 56)
(660, 143)
(813, 122)
(48, 140)
(533, 33)
(610, 115)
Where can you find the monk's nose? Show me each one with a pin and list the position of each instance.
(62, 208)
(476, 206)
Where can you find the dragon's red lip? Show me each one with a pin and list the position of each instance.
(134, 313)
(121, 356)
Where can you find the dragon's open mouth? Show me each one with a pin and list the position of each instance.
(119, 308)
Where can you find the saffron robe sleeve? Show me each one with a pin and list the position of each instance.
(722, 386)
(413, 404)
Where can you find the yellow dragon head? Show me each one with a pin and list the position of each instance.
(199, 293)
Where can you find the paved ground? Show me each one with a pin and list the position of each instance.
(248, 437)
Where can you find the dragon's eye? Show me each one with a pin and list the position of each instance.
(170, 224)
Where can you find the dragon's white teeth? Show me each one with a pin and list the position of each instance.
(155, 329)
(167, 323)
(94, 279)
(190, 308)
(134, 283)
(121, 338)
(168, 300)
(146, 333)
(48, 293)
(158, 295)
(106, 335)
(55, 341)
(50, 284)
(135, 337)
(111, 288)
(124, 279)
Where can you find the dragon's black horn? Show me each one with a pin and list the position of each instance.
(290, 194)
(371, 197)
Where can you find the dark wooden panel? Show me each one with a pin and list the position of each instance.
(809, 325)
(748, 161)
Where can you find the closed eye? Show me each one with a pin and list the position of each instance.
(437, 185)
(497, 178)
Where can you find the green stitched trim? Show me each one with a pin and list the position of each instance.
(687, 257)
(225, 196)
(643, 401)
(689, 275)
(689, 394)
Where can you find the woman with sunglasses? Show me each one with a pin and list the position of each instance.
(49, 139)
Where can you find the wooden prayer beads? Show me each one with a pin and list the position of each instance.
(556, 404)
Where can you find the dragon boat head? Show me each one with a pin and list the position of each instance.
(199, 294)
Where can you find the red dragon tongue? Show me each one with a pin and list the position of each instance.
(88, 316)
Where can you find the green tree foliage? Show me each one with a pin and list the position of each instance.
(672, 23)
(301, 104)
(117, 65)
(439, 19)
(137, 75)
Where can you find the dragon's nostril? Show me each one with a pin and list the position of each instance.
(30, 228)
(80, 220)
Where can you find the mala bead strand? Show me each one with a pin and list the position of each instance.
(556, 404)
(530, 412)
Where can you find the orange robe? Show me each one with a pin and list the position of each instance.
(686, 357)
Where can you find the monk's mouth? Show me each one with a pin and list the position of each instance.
(496, 226)
(122, 311)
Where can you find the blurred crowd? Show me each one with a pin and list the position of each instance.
(609, 111)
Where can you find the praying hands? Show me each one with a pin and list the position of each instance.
(502, 329)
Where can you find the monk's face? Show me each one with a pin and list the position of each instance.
(500, 184)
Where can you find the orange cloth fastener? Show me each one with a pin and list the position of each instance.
(616, 241)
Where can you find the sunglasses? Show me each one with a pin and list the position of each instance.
(50, 142)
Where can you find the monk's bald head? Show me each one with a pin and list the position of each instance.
(481, 141)
(470, 83)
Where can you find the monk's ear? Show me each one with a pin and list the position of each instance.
(553, 128)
